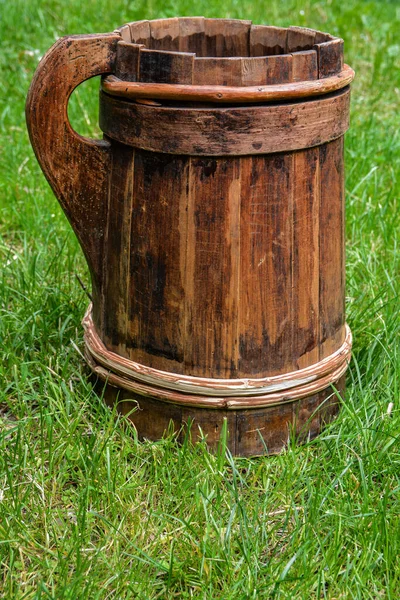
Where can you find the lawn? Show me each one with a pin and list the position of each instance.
(87, 511)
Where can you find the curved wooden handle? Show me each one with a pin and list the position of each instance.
(76, 167)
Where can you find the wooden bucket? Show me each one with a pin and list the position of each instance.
(212, 220)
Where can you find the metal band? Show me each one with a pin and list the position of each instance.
(200, 391)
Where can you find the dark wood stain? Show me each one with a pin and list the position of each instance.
(226, 131)
(214, 236)
(331, 247)
(306, 216)
(165, 67)
(266, 265)
(330, 58)
(212, 268)
(251, 432)
(117, 248)
(156, 277)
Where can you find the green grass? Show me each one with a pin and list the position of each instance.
(86, 511)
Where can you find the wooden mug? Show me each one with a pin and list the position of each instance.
(211, 216)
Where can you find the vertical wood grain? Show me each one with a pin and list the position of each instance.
(232, 71)
(226, 37)
(254, 71)
(158, 241)
(191, 35)
(330, 58)
(279, 69)
(164, 34)
(209, 424)
(300, 38)
(265, 320)
(266, 40)
(218, 71)
(304, 66)
(212, 268)
(306, 257)
(140, 32)
(165, 67)
(331, 244)
(220, 267)
(127, 61)
(264, 431)
(117, 248)
(125, 33)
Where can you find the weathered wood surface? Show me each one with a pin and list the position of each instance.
(279, 71)
(331, 247)
(127, 61)
(75, 167)
(214, 235)
(300, 38)
(117, 247)
(125, 33)
(140, 32)
(330, 58)
(305, 66)
(279, 79)
(224, 131)
(227, 71)
(157, 255)
(233, 268)
(212, 265)
(306, 235)
(251, 432)
(266, 235)
(212, 40)
(164, 34)
(226, 37)
(267, 41)
(254, 71)
(165, 67)
(161, 67)
(191, 35)
(217, 38)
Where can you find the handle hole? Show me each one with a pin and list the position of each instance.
(83, 109)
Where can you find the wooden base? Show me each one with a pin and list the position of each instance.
(251, 432)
